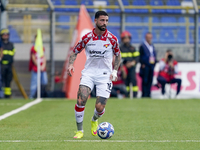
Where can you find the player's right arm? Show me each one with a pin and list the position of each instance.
(77, 49)
(71, 62)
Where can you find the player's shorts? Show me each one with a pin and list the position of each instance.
(103, 84)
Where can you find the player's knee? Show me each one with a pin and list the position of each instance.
(81, 102)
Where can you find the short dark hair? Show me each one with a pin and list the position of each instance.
(100, 13)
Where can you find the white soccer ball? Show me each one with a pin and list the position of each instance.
(105, 130)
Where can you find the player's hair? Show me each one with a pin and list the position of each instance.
(100, 13)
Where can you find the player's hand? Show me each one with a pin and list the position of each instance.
(113, 75)
(70, 70)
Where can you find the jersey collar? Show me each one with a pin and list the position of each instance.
(103, 37)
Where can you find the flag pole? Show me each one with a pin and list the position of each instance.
(39, 47)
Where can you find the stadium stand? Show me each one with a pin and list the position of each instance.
(71, 2)
(173, 3)
(115, 19)
(14, 36)
(157, 3)
(63, 19)
(126, 3)
(139, 3)
(159, 21)
(181, 35)
(156, 20)
(115, 31)
(88, 3)
(166, 35)
(133, 19)
(181, 20)
(57, 3)
(168, 20)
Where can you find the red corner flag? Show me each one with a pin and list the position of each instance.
(71, 84)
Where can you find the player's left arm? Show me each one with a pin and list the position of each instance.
(117, 62)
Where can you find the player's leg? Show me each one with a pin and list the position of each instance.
(99, 107)
(98, 112)
(82, 97)
(103, 93)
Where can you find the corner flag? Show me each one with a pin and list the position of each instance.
(40, 53)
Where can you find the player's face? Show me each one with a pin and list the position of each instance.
(101, 22)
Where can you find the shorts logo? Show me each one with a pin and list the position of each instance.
(106, 45)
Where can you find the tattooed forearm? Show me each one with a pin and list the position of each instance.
(101, 100)
(72, 58)
(117, 62)
(83, 94)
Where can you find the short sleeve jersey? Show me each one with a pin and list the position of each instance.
(99, 51)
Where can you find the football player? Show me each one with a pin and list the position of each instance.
(100, 46)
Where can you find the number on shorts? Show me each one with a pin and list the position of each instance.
(109, 86)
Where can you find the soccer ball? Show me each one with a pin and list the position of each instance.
(105, 130)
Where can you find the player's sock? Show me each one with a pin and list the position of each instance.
(97, 114)
(79, 114)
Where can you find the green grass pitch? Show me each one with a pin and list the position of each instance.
(140, 124)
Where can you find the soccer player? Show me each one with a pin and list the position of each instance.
(100, 45)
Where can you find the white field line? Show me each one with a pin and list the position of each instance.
(99, 141)
(125, 99)
(24, 107)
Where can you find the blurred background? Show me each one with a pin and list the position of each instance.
(174, 24)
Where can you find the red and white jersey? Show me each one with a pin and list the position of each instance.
(99, 52)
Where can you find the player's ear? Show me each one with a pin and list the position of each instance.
(95, 20)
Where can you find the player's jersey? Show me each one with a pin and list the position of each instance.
(99, 52)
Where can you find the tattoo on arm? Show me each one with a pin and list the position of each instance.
(72, 58)
(117, 62)
(101, 100)
(83, 94)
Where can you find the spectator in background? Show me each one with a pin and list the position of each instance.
(1, 55)
(168, 68)
(57, 77)
(131, 57)
(148, 61)
(6, 62)
(119, 87)
(33, 68)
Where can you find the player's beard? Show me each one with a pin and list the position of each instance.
(101, 28)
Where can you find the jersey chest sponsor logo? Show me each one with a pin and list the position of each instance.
(94, 53)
